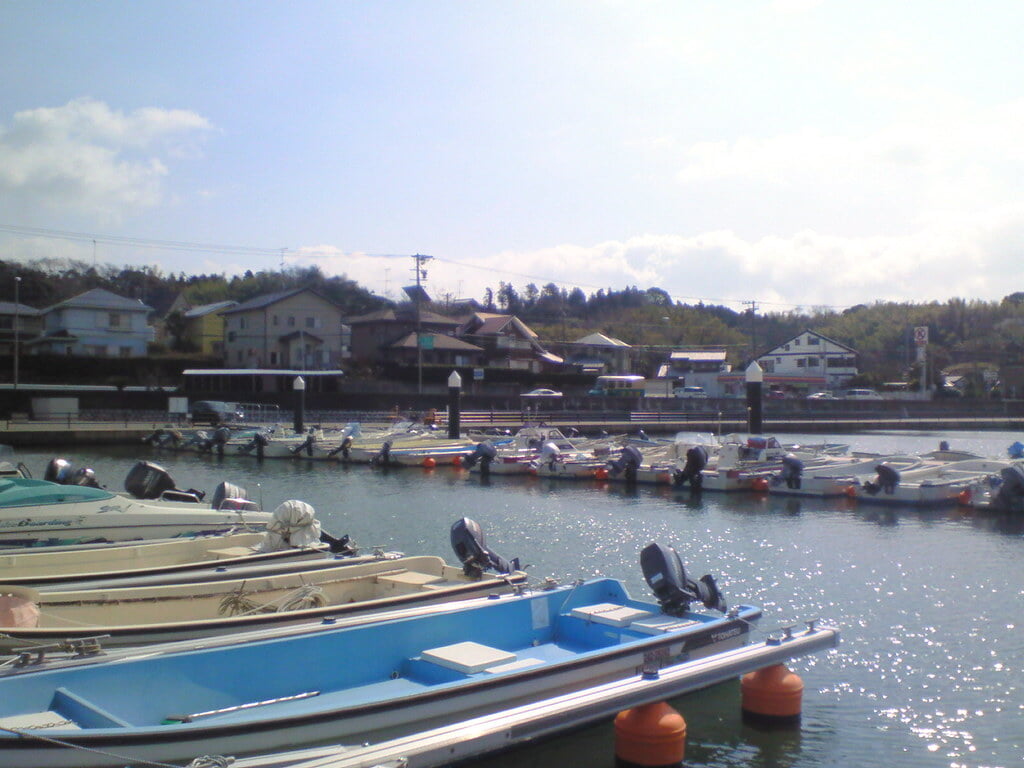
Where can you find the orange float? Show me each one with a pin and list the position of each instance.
(772, 695)
(429, 462)
(650, 735)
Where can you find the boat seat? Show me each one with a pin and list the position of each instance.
(467, 657)
(38, 721)
(409, 581)
(513, 666)
(610, 614)
(84, 712)
(658, 625)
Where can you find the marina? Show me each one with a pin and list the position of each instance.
(928, 668)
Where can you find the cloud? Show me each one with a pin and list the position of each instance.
(85, 158)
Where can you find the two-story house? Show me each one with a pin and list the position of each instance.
(807, 362)
(374, 336)
(204, 328)
(17, 320)
(696, 367)
(507, 342)
(600, 354)
(96, 323)
(299, 329)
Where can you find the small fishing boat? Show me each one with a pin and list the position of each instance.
(516, 455)
(366, 681)
(933, 483)
(136, 615)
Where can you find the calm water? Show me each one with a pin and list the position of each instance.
(930, 670)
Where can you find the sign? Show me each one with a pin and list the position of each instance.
(478, 374)
(921, 336)
(426, 341)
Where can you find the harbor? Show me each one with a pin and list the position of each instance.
(927, 668)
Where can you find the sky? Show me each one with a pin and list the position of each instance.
(794, 153)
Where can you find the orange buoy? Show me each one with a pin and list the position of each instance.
(964, 497)
(429, 462)
(759, 483)
(456, 461)
(851, 491)
(772, 695)
(601, 473)
(650, 735)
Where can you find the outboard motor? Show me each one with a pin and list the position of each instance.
(468, 542)
(306, 445)
(383, 458)
(147, 480)
(1016, 450)
(549, 454)
(227, 492)
(696, 461)
(792, 471)
(343, 448)
(485, 453)
(58, 471)
(664, 572)
(886, 480)
(221, 435)
(629, 462)
(1011, 487)
(83, 476)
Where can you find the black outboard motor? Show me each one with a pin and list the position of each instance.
(792, 471)
(468, 542)
(306, 445)
(629, 462)
(339, 546)
(696, 461)
(147, 480)
(886, 479)
(666, 577)
(485, 453)
(383, 458)
(221, 435)
(343, 448)
(1010, 495)
(58, 471)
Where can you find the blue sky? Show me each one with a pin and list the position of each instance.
(796, 153)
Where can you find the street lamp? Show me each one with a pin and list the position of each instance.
(17, 322)
(300, 386)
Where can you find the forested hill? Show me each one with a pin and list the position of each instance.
(961, 331)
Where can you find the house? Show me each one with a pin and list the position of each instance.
(299, 329)
(373, 335)
(597, 353)
(203, 328)
(435, 349)
(508, 342)
(96, 323)
(17, 320)
(696, 368)
(807, 362)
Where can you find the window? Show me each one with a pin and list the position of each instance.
(311, 322)
(291, 321)
(231, 335)
(813, 340)
(813, 362)
(274, 320)
(801, 362)
(113, 320)
(241, 322)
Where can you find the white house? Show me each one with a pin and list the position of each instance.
(811, 360)
(96, 323)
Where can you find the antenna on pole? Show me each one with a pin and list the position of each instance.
(418, 295)
(753, 328)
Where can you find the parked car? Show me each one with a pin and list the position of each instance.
(216, 412)
(821, 396)
(861, 394)
(691, 392)
(542, 393)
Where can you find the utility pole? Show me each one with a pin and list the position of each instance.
(17, 327)
(753, 328)
(421, 274)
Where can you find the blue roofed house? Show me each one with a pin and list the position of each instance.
(96, 323)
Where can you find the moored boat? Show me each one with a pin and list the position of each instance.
(365, 681)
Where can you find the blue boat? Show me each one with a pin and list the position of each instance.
(362, 682)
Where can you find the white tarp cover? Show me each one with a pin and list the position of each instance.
(294, 524)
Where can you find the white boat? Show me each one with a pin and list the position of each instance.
(366, 681)
(532, 446)
(934, 483)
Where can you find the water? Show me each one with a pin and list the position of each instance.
(931, 664)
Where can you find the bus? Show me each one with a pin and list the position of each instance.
(618, 386)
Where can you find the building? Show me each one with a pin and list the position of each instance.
(203, 328)
(600, 354)
(298, 329)
(696, 368)
(27, 320)
(373, 335)
(507, 342)
(805, 363)
(96, 323)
